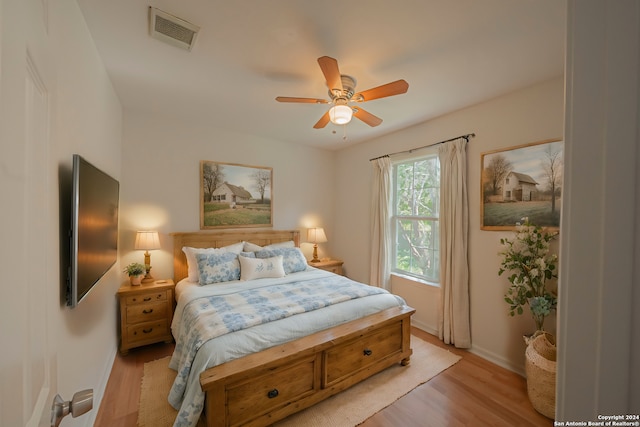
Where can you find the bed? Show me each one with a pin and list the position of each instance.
(312, 347)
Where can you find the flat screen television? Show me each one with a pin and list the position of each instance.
(94, 228)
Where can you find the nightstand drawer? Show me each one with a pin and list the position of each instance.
(331, 265)
(335, 269)
(147, 331)
(140, 299)
(146, 312)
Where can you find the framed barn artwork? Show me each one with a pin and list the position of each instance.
(235, 196)
(522, 182)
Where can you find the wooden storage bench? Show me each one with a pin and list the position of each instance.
(262, 388)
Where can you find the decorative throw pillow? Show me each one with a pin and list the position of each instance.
(218, 267)
(292, 258)
(192, 263)
(258, 268)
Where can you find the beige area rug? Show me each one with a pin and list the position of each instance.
(346, 409)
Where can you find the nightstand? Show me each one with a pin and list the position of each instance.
(146, 312)
(332, 265)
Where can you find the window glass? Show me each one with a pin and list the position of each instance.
(415, 221)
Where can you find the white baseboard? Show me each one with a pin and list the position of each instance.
(424, 327)
(478, 351)
(99, 389)
(496, 359)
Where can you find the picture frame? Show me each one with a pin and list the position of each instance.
(235, 195)
(523, 181)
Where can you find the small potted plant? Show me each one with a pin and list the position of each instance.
(136, 272)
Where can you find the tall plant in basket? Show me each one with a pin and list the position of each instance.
(530, 266)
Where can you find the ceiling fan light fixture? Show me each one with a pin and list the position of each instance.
(341, 91)
(340, 114)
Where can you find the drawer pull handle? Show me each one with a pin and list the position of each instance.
(273, 393)
(147, 311)
(146, 331)
(367, 352)
(147, 299)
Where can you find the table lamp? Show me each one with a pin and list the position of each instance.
(147, 240)
(315, 236)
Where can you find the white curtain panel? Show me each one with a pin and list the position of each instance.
(453, 317)
(380, 214)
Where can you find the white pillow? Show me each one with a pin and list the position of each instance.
(287, 244)
(254, 268)
(192, 263)
(252, 247)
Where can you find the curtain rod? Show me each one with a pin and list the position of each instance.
(467, 136)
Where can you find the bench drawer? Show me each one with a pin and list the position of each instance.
(257, 396)
(344, 360)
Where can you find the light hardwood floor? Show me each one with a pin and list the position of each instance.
(473, 392)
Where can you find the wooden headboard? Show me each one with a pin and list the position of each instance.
(218, 239)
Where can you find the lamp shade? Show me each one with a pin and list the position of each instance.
(340, 114)
(316, 235)
(147, 240)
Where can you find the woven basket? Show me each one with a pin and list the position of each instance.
(540, 368)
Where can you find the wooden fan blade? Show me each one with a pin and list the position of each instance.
(322, 122)
(366, 117)
(329, 67)
(390, 89)
(302, 100)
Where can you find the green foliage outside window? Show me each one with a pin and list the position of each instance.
(415, 218)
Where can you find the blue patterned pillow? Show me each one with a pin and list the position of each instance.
(258, 268)
(292, 258)
(218, 267)
(192, 263)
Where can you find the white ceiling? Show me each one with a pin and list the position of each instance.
(453, 53)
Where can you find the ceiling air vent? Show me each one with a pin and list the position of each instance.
(171, 29)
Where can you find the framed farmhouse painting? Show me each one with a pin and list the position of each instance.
(522, 181)
(233, 195)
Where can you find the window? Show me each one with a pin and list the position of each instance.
(415, 218)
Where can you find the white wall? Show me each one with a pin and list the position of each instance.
(161, 181)
(88, 122)
(85, 118)
(530, 115)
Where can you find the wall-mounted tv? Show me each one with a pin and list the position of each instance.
(94, 228)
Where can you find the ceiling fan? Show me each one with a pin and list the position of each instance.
(342, 92)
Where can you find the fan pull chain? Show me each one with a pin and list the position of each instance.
(344, 132)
